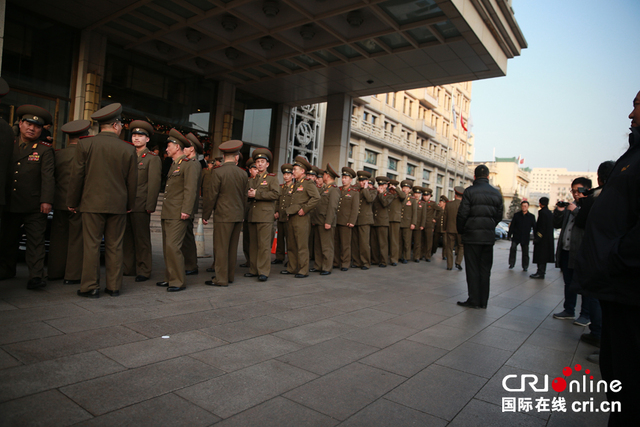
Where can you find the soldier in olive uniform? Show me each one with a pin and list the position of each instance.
(454, 240)
(177, 207)
(417, 231)
(228, 200)
(395, 215)
(408, 221)
(65, 250)
(103, 187)
(283, 201)
(315, 175)
(360, 242)
(346, 218)
(439, 230)
(207, 175)
(30, 189)
(380, 235)
(429, 223)
(137, 237)
(304, 197)
(263, 193)
(324, 216)
(7, 140)
(189, 250)
(252, 169)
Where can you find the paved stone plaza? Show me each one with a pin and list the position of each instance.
(384, 347)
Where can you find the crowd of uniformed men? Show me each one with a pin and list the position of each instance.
(103, 188)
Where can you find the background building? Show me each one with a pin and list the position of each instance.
(555, 183)
(509, 178)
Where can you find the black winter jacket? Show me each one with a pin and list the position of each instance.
(521, 226)
(480, 210)
(608, 263)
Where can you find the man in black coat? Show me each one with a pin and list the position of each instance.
(608, 268)
(543, 252)
(480, 210)
(519, 229)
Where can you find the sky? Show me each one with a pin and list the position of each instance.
(566, 99)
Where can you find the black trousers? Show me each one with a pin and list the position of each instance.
(478, 260)
(619, 349)
(525, 253)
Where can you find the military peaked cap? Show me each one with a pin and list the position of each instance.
(262, 153)
(76, 128)
(363, 175)
(178, 138)
(231, 146)
(34, 114)
(329, 170)
(302, 162)
(286, 168)
(141, 127)
(109, 114)
(195, 142)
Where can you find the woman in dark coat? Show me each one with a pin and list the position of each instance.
(543, 252)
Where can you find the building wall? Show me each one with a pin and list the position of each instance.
(413, 135)
(509, 178)
(556, 182)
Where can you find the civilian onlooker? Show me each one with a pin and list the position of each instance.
(519, 230)
(480, 210)
(543, 239)
(568, 245)
(607, 268)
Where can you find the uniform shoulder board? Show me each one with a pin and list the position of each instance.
(58, 149)
(130, 143)
(272, 174)
(216, 167)
(46, 144)
(153, 153)
(334, 186)
(86, 136)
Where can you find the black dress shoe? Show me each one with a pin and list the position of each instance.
(112, 293)
(277, 261)
(325, 273)
(344, 269)
(36, 283)
(212, 283)
(483, 306)
(416, 260)
(537, 276)
(191, 272)
(401, 260)
(176, 288)
(458, 266)
(163, 284)
(141, 278)
(93, 293)
(525, 269)
(381, 265)
(301, 276)
(312, 270)
(71, 282)
(211, 270)
(511, 267)
(449, 268)
(354, 266)
(467, 304)
(364, 267)
(245, 265)
(262, 278)
(428, 259)
(404, 261)
(394, 264)
(285, 272)
(249, 275)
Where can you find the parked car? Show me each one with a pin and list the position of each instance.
(502, 229)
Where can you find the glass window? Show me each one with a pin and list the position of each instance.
(410, 169)
(426, 174)
(393, 164)
(370, 170)
(440, 179)
(370, 157)
(351, 151)
(450, 182)
(392, 175)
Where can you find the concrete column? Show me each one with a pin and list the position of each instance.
(282, 133)
(223, 119)
(337, 130)
(87, 91)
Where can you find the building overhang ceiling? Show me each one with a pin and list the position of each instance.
(301, 51)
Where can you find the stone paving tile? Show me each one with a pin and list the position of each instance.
(540, 360)
(471, 320)
(475, 359)
(438, 391)
(304, 315)
(443, 309)
(364, 317)
(175, 324)
(505, 302)
(246, 353)
(342, 393)
(27, 411)
(182, 307)
(478, 413)
(348, 305)
(301, 301)
(24, 380)
(102, 320)
(328, 355)
(380, 335)
(245, 329)
(8, 361)
(517, 323)
(167, 410)
(384, 413)
(248, 311)
(417, 320)
(63, 345)
(442, 336)
(530, 312)
(6, 306)
(35, 314)
(314, 333)
(108, 393)
(504, 339)
(405, 358)
(556, 340)
(155, 350)
(279, 412)
(240, 390)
